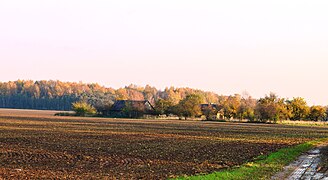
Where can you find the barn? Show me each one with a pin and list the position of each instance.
(130, 109)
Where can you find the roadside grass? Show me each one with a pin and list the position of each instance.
(262, 168)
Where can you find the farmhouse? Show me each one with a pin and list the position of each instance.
(214, 111)
(130, 109)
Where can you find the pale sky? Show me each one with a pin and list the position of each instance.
(225, 46)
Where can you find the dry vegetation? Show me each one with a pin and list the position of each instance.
(304, 123)
(35, 144)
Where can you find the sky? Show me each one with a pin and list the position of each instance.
(226, 47)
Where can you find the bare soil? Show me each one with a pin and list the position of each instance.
(38, 145)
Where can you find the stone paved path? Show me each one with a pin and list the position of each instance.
(306, 167)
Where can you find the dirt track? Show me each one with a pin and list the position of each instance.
(307, 166)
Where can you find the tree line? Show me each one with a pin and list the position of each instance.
(57, 95)
(270, 108)
(183, 102)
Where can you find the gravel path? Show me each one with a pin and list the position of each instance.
(306, 167)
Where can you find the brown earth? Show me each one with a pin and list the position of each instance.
(38, 145)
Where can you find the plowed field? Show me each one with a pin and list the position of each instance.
(38, 145)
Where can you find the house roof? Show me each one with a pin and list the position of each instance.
(143, 105)
(203, 106)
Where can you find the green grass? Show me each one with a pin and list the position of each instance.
(264, 167)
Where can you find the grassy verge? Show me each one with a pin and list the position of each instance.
(264, 167)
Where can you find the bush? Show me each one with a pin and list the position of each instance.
(82, 109)
(64, 114)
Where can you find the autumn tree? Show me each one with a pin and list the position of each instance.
(101, 101)
(121, 94)
(211, 97)
(231, 106)
(163, 106)
(317, 113)
(189, 106)
(173, 95)
(271, 108)
(150, 94)
(299, 108)
(246, 109)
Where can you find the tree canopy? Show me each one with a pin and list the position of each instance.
(299, 108)
(189, 106)
(58, 95)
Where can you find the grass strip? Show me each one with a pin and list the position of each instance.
(264, 167)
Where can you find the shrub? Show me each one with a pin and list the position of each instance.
(82, 108)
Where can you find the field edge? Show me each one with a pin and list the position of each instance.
(264, 167)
